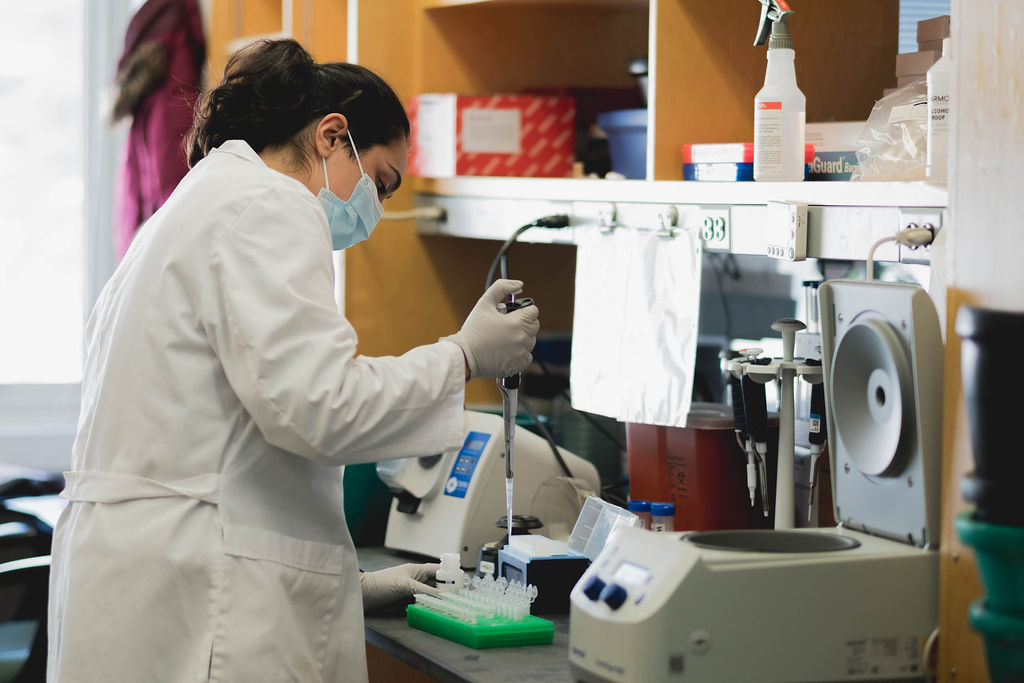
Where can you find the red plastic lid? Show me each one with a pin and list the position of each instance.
(710, 416)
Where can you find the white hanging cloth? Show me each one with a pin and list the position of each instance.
(635, 325)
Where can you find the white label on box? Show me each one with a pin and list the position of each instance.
(833, 136)
(436, 135)
(491, 131)
(883, 658)
(909, 112)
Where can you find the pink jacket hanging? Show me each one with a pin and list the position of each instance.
(159, 79)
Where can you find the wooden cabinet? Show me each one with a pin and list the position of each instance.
(704, 69)
(704, 72)
(320, 26)
(235, 20)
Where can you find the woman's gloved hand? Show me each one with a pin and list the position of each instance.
(498, 344)
(396, 585)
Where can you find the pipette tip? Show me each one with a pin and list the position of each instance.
(508, 505)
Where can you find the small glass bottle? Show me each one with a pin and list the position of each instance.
(449, 577)
(663, 516)
(642, 509)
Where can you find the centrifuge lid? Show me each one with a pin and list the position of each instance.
(882, 358)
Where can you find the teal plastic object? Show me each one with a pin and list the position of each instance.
(1004, 642)
(487, 632)
(999, 551)
(15, 646)
(367, 504)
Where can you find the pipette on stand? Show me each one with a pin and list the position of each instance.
(816, 437)
(509, 389)
(755, 405)
(742, 437)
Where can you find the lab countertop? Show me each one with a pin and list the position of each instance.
(447, 661)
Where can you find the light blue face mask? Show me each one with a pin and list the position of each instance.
(351, 222)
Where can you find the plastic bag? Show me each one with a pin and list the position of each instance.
(892, 145)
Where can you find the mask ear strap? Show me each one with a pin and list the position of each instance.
(327, 183)
(354, 151)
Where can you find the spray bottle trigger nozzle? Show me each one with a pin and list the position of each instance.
(763, 26)
(773, 12)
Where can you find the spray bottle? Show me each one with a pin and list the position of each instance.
(779, 108)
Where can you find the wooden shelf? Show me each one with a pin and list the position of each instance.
(917, 194)
(843, 218)
(444, 4)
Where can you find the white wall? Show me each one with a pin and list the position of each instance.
(984, 265)
(987, 186)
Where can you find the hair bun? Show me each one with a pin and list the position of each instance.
(273, 89)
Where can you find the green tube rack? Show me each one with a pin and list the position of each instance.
(493, 631)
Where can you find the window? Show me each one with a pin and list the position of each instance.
(57, 167)
(41, 225)
(913, 11)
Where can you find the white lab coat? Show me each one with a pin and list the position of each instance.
(205, 538)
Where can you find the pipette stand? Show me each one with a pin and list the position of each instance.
(785, 370)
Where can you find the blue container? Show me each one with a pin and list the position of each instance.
(627, 140)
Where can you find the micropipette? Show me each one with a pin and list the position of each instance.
(509, 388)
(816, 437)
(742, 437)
(756, 411)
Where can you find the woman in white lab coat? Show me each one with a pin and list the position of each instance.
(205, 537)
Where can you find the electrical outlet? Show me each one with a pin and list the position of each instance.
(786, 229)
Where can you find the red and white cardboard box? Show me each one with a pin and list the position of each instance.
(495, 135)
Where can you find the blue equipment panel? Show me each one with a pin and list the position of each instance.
(465, 464)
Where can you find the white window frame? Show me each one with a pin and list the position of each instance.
(38, 421)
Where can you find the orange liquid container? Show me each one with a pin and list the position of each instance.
(699, 468)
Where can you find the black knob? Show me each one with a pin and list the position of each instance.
(614, 595)
(593, 588)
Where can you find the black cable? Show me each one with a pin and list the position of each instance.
(586, 416)
(502, 258)
(620, 500)
(605, 490)
(734, 274)
(554, 222)
(597, 425)
(733, 269)
(547, 435)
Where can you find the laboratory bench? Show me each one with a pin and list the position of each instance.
(445, 660)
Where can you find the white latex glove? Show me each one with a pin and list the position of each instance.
(396, 585)
(498, 344)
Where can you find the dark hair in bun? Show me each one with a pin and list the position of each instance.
(273, 90)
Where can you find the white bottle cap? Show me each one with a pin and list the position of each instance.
(451, 561)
